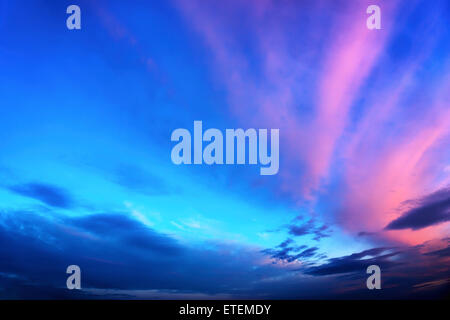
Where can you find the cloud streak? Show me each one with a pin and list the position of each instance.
(431, 210)
(48, 194)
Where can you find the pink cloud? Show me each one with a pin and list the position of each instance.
(310, 91)
(398, 169)
(270, 100)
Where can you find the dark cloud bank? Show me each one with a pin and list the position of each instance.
(46, 193)
(121, 255)
(430, 210)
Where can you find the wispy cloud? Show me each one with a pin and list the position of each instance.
(51, 195)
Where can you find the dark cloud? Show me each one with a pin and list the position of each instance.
(35, 250)
(307, 253)
(285, 243)
(298, 228)
(443, 253)
(288, 251)
(354, 262)
(430, 210)
(321, 232)
(48, 194)
(116, 253)
(366, 234)
(406, 272)
(126, 231)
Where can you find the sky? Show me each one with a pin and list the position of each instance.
(86, 176)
